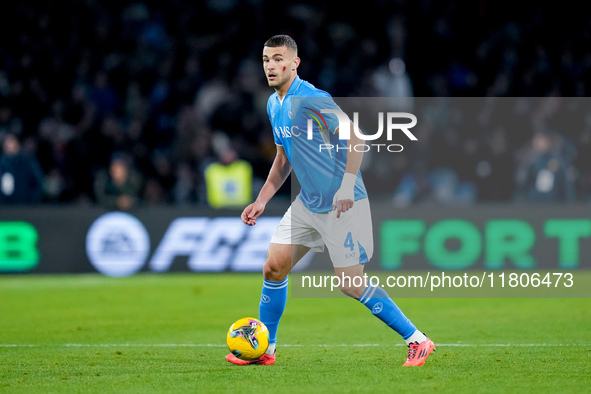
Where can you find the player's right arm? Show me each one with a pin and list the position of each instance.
(277, 175)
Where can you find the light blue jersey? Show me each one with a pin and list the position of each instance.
(319, 171)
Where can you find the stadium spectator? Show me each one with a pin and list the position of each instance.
(495, 168)
(228, 180)
(185, 189)
(119, 187)
(582, 163)
(155, 77)
(544, 174)
(21, 179)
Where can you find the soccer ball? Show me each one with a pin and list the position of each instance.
(248, 339)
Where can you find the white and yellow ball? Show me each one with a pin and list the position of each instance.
(248, 338)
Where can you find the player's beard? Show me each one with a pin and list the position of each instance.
(278, 84)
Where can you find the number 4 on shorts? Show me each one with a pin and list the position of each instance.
(349, 242)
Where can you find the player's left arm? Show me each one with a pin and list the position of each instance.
(345, 197)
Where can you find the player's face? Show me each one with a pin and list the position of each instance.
(279, 63)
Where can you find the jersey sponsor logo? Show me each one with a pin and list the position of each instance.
(283, 131)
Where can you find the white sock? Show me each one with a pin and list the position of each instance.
(271, 349)
(417, 336)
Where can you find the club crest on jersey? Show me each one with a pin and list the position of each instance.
(291, 114)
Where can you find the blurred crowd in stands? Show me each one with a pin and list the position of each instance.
(126, 103)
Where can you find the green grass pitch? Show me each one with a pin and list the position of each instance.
(166, 333)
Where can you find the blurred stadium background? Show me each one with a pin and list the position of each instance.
(166, 88)
(139, 107)
(142, 107)
(119, 119)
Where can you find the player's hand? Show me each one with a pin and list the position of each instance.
(252, 212)
(342, 206)
(344, 197)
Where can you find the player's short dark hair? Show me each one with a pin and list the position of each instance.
(282, 40)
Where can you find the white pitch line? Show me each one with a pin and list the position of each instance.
(17, 345)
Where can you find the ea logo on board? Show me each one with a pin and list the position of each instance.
(117, 244)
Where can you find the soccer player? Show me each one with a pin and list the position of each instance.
(332, 208)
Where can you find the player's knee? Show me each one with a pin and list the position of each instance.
(276, 268)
